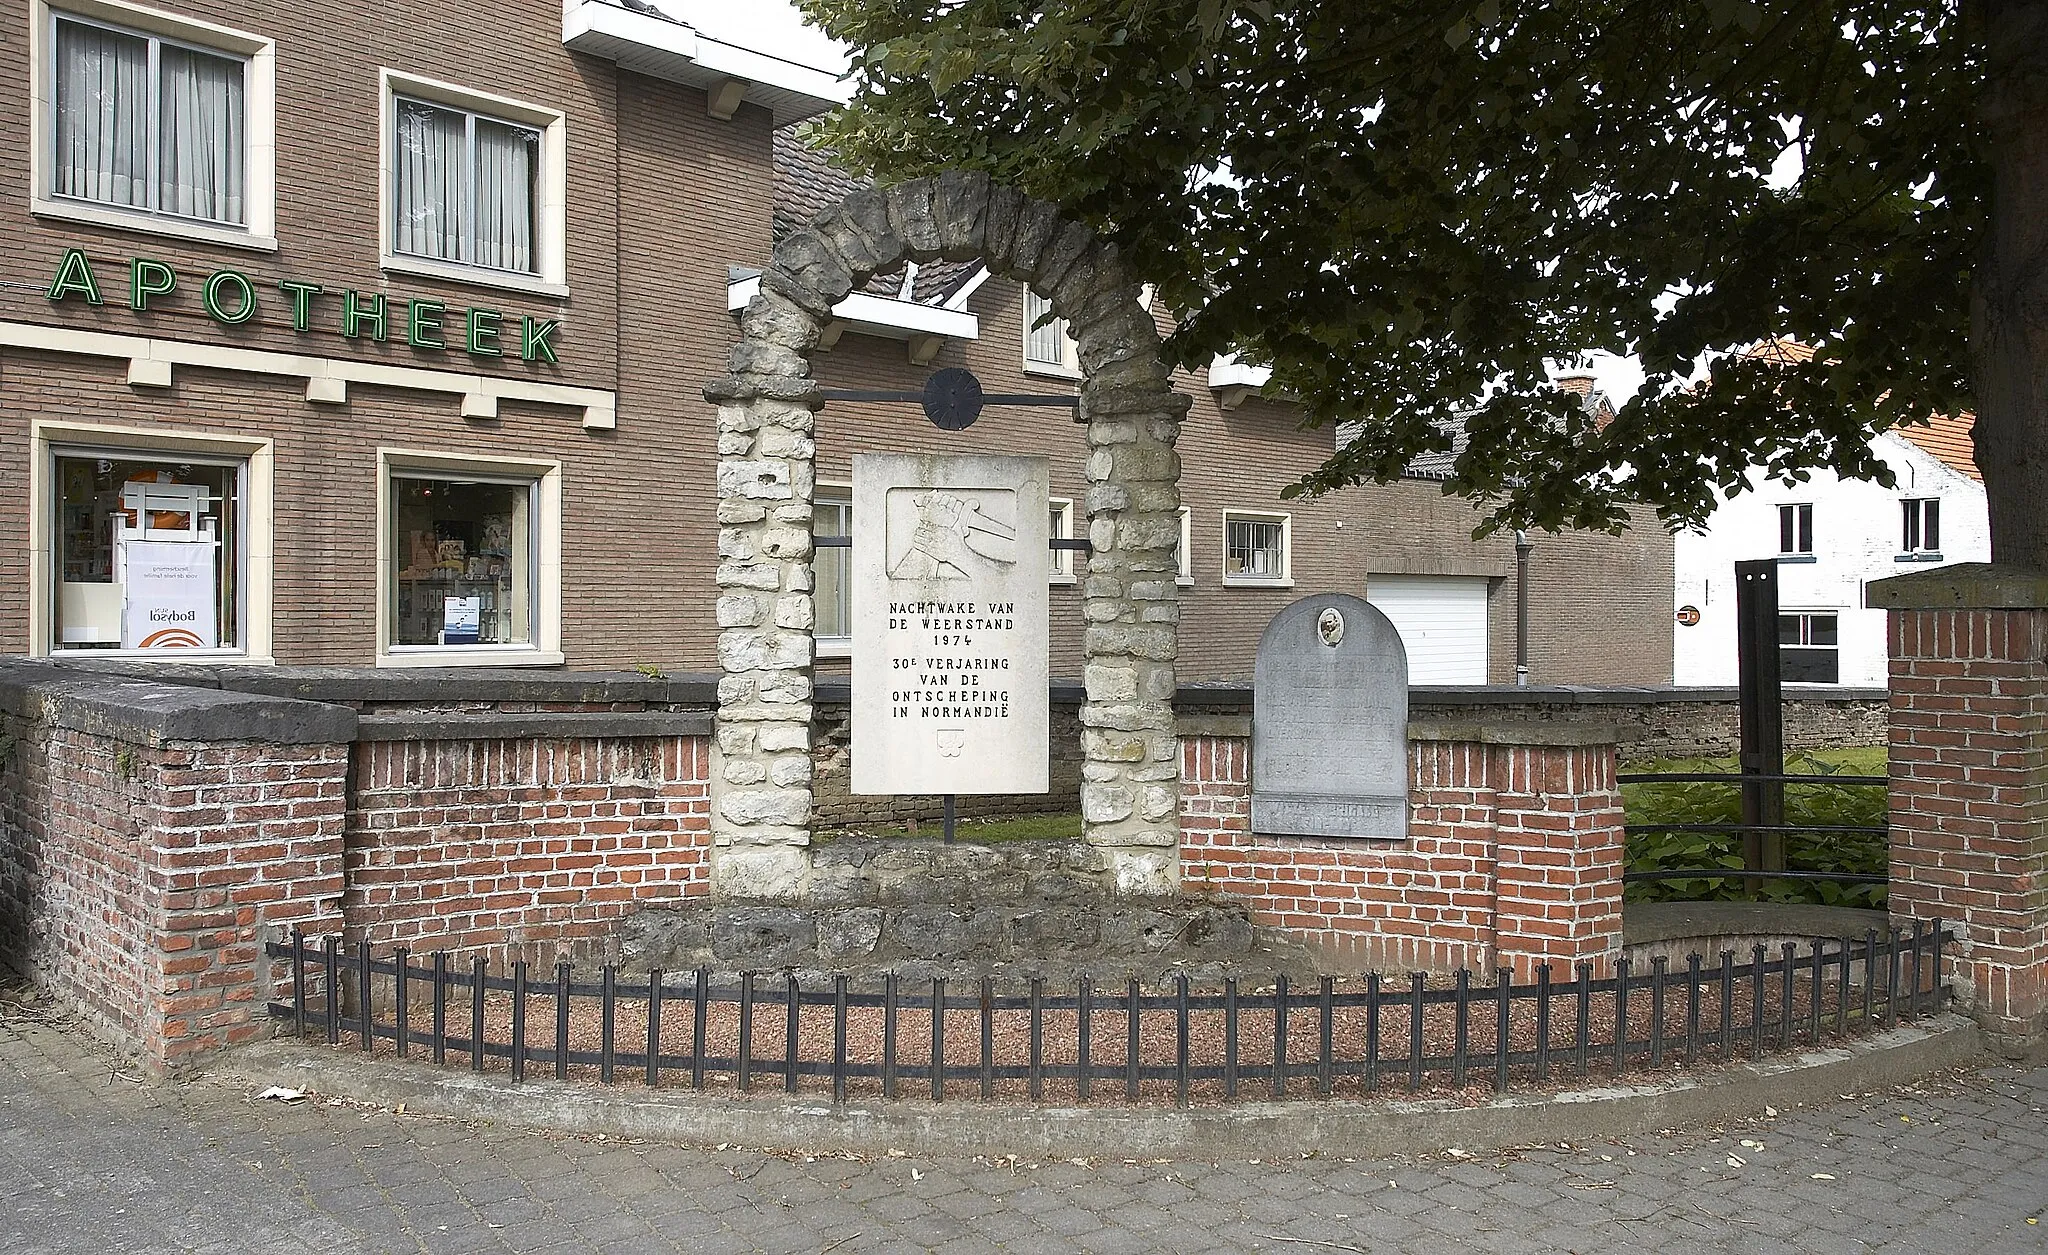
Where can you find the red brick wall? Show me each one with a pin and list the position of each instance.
(522, 848)
(1513, 857)
(1969, 779)
(140, 879)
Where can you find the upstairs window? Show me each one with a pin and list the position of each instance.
(1795, 530)
(148, 125)
(1060, 526)
(1255, 548)
(465, 187)
(1047, 346)
(1922, 526)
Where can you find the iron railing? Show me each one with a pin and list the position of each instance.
(1170, 1043)
(1757, 865)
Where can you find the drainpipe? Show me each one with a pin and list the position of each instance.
(1522, 548)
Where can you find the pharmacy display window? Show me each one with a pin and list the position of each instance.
(463, 560)
(150, 553)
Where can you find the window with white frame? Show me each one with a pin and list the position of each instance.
(150, 551)
(1047, 346)
(474, 185)
(472, 561)
(1060, 526)
(1809, 648)
(832, 570)
(1255, 548)
(1184, 553)
(1795, 530)
(1921, 529)
(153, 122)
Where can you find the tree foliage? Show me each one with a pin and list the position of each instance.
(1408, 207)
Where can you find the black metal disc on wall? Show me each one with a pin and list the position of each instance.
(952, 399)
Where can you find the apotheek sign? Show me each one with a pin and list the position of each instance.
(230, 299)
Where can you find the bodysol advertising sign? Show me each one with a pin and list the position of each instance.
(169, 598)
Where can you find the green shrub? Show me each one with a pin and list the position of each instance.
(1715, 803)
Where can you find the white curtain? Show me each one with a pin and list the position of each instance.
(427, 170)
(200, 135)
(507, 160)
(102, 122)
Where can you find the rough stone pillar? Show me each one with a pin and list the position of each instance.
(761, 761)
(1969, 780)
(1130, 796)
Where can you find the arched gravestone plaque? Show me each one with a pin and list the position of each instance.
(1330, 722)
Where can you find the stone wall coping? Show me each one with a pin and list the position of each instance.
(501, 726)
(426, 684)
(150, 712)
(1964, 586)
(1561, 735)
(1224, 725)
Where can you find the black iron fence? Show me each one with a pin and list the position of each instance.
(1172, 1044)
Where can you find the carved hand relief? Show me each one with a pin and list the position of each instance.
(1330, 627)
(952, 534)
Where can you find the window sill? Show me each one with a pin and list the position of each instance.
(834, 646)
(469, 656)
(1185, 581)
(1062, 581)
(1255, 581)
(474, 276)
(183, 657)
(152, 224)
(1051, 371)
(1796, 559)
(1921, 556)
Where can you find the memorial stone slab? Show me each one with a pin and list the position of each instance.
(949, 605)
(1330, 722)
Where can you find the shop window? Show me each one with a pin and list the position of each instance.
(1795, 531)
(1255, 548)
(473, 185)
(1047, 347)
(1060, 526)
(832, 572)
(1809, 649)
(150, 553)
(472, 564)
(154, 122)
(1922, 527)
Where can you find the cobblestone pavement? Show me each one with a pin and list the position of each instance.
(95, 1161)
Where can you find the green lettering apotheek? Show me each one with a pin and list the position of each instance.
(74, 278)
(483, 333)
(302, 294)
(147, 278)
(423, 324)
(537, 339)
(225, 288)
(359, 310)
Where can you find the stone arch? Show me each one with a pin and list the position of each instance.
(761, 762)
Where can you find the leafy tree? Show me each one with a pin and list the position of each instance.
(1404, 205)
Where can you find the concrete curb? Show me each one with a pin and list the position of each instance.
(1247, 1129)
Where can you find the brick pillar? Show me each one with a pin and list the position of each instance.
(1969, 780)
(1558, 853)
(245, 844)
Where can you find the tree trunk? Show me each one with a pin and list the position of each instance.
(2009, 299)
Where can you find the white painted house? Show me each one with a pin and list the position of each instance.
(1830, 536)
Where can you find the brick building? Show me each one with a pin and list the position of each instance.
(385, 347)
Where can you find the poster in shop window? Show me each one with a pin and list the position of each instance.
(169, 595)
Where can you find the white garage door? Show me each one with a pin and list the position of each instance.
(1442, 621)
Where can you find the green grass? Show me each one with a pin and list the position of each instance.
(1705, 803)
(1060, 827)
